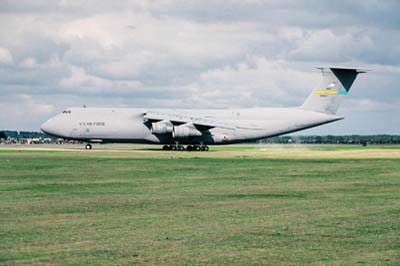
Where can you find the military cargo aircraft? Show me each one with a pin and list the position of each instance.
(196, 129)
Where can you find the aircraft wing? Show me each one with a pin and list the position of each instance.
(202, 123)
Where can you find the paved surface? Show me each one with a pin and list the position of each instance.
(75, 146)
(106, 147)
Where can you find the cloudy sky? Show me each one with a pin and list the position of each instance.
(197, 54)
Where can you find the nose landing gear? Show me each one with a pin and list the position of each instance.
(88, 146)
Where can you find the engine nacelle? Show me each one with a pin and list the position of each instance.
(162, 127)
(185, 131)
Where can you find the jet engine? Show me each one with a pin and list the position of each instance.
(162, 127)
(186, 130)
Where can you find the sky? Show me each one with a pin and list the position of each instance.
(197, 54)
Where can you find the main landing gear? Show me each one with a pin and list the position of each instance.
(88, 146)
(178, 147)
(173, 147)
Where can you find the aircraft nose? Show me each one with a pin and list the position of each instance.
(55, 126)
(49, 127)
(45, 127)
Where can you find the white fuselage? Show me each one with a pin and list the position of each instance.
(229, 126)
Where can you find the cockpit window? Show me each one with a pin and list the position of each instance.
(66, 112)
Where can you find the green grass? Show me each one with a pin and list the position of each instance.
(217, 208)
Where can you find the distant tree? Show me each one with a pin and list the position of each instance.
(11, 134)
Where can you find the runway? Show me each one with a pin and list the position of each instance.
(273, 151)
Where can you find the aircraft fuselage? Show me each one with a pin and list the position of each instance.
(127, 125)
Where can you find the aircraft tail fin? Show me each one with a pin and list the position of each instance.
(335, 85)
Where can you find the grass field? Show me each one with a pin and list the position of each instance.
(234, 205)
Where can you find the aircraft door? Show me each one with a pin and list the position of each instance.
(77, 132)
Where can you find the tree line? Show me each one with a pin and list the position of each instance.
(333, 139)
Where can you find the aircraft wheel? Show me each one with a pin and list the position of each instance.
(205, 148)
(165, 147)
(88, 147)
(189, 148)
(181, 148)
(197, 148)
(173, 147)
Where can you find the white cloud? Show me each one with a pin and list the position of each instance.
(32, 106)
(370, 105)
(255, 82)
(24, 112)
(82, 82)
(328, 45)
(124, 44)
(5, 57)
(28, 63)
